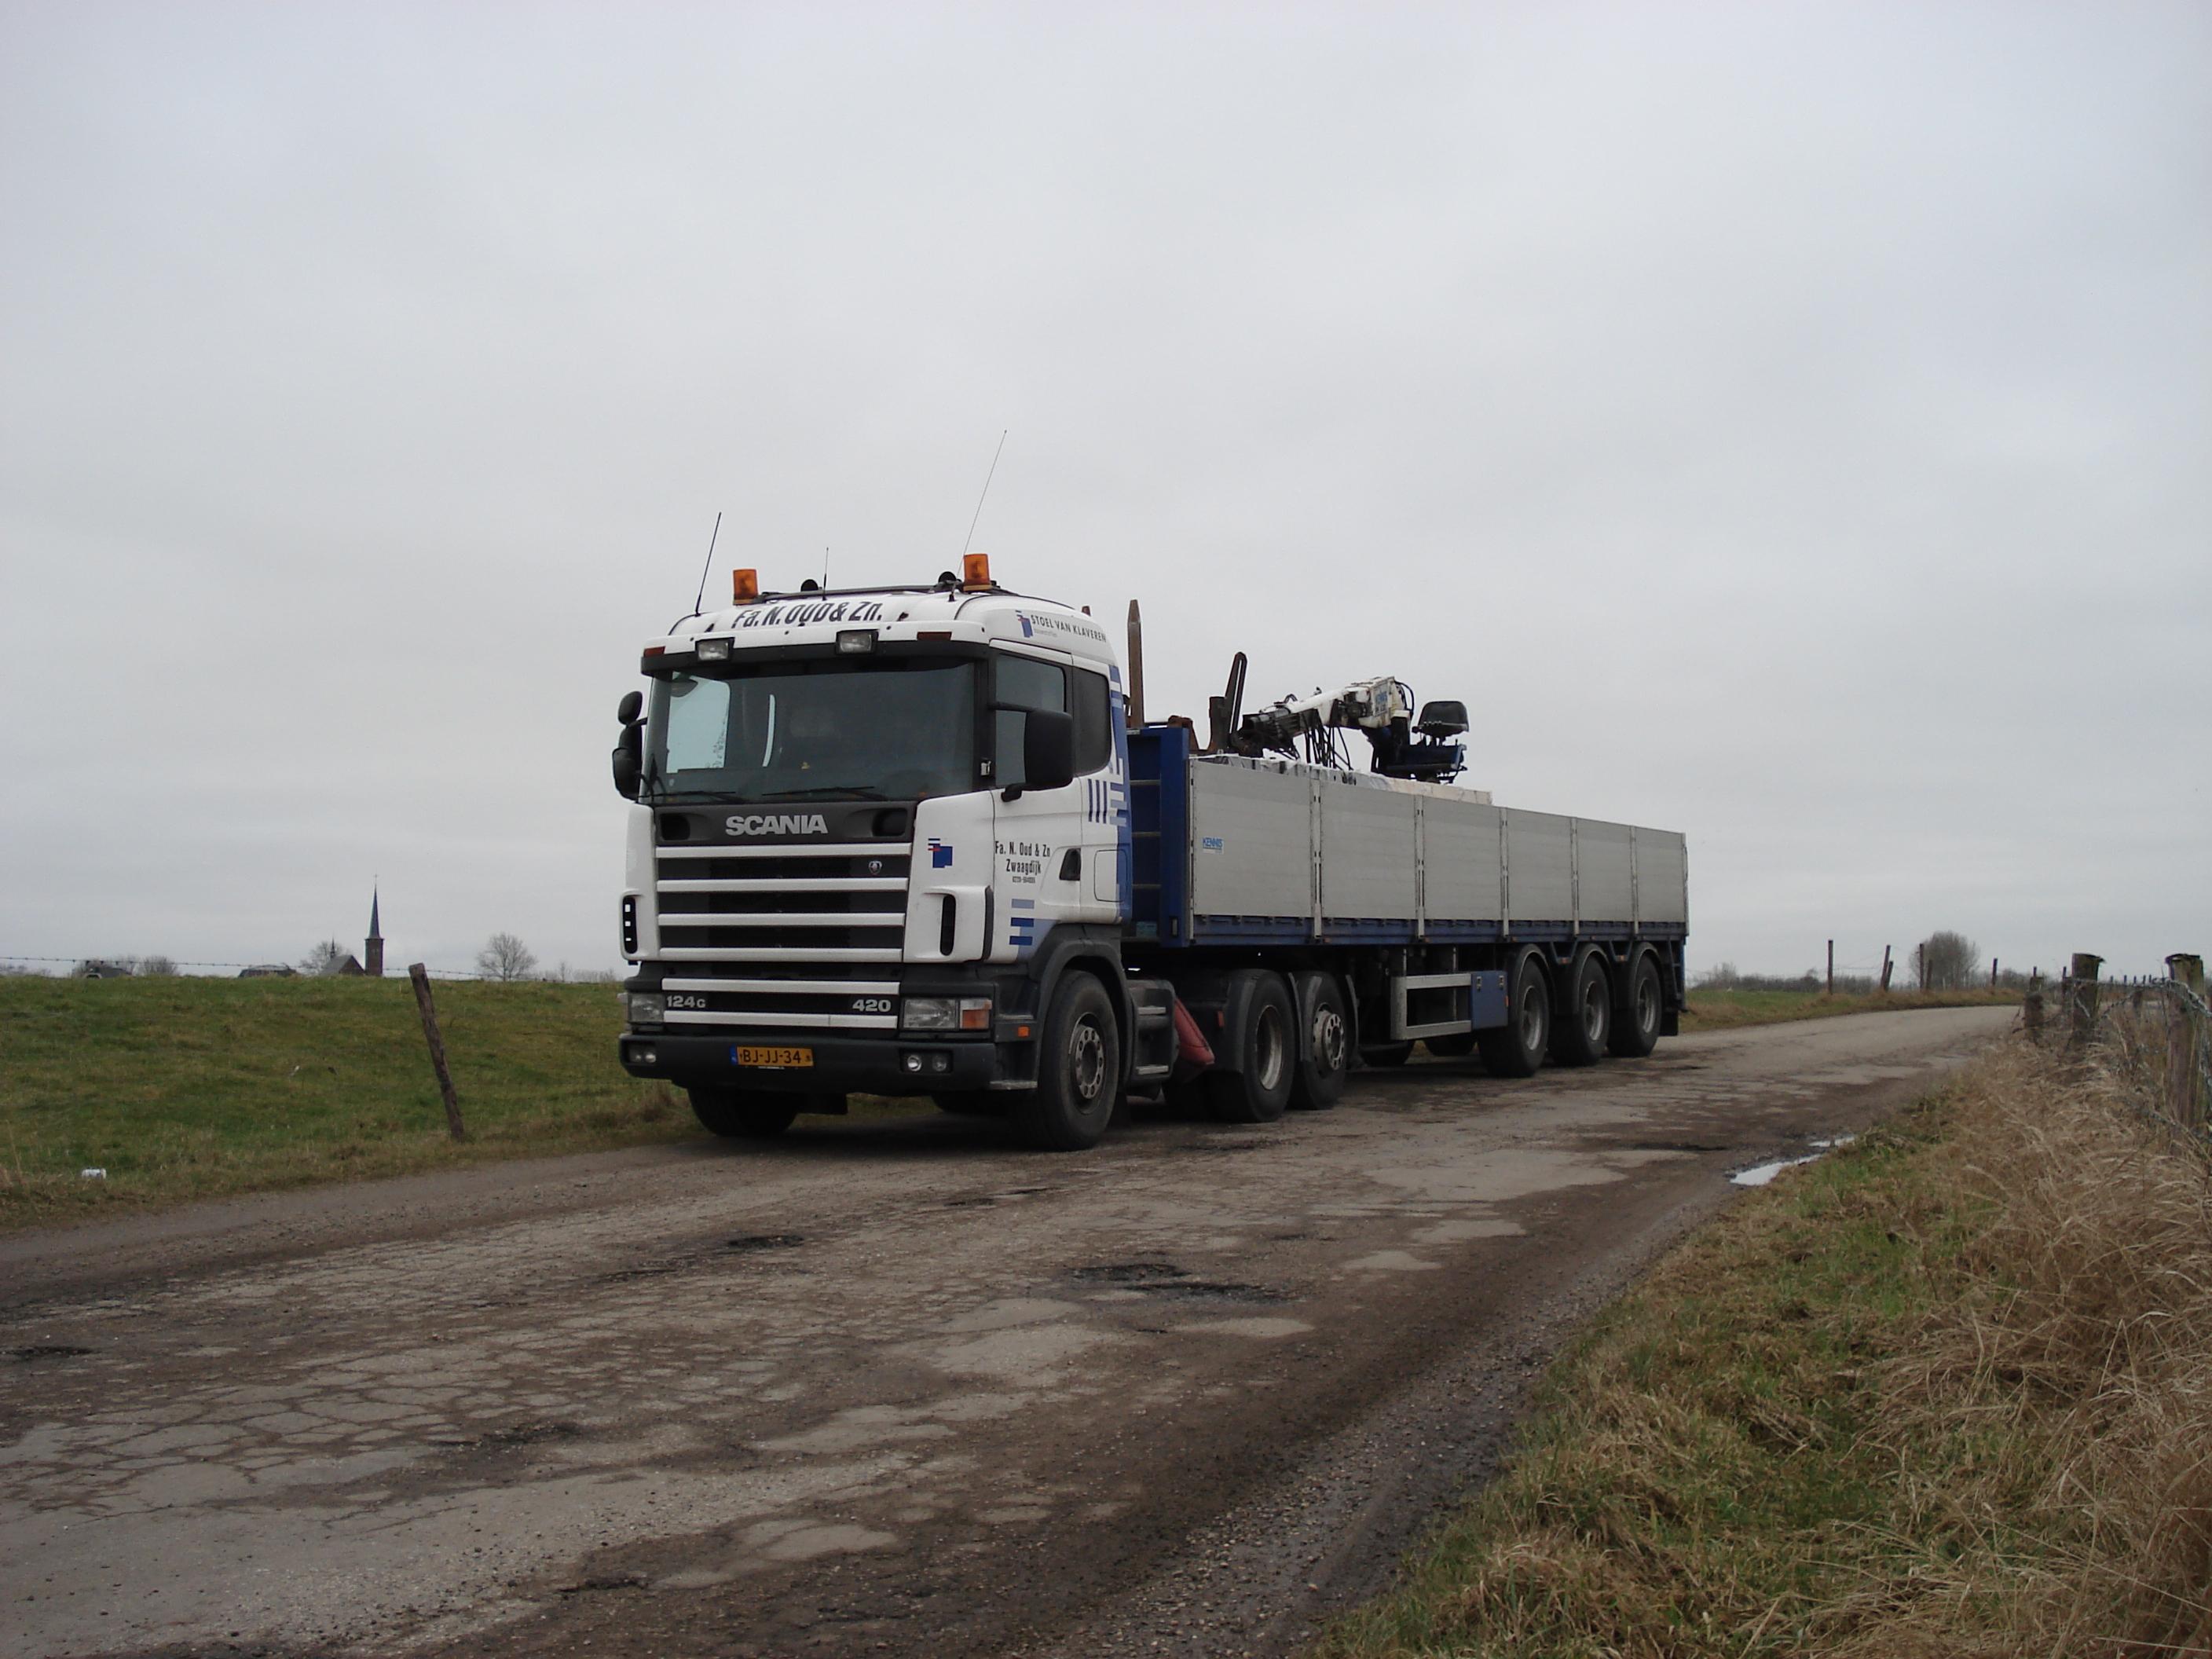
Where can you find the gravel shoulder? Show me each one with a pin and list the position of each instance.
(886, 1386)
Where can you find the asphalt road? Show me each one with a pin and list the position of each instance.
(882, 1388)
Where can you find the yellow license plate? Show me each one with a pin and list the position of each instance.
(752, 1056)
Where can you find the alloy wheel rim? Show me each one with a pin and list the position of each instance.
(1090, 1060)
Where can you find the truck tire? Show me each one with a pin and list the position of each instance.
(1325, 1066)
(735, 1116)
(1266, 1055)
(1516, 1047)
(1078, 1070)
(1636, 1023)
(1457, 1045)
(1584, 1024)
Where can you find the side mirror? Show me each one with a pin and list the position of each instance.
(632, 705)
(629, 761)
(1048, 750)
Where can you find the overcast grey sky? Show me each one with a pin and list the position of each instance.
(1791, 424)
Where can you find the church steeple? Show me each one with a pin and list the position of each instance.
(371, 954)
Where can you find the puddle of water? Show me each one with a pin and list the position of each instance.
(1760, 1173)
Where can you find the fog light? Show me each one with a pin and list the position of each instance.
(645, 1056)
(714, 651)
(913, 1062)
(941, 1062)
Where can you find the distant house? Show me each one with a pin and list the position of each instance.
(346, 966)
(95, 969)
(270, 971)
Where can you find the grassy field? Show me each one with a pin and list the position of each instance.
(189, 1088)
(1942, 1393)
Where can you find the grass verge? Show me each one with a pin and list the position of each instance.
(184, 1089)
(1722, 1011)
(1948, 1391)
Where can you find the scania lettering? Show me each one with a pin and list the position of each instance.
(1008, 890)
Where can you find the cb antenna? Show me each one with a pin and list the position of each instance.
(979, 500)
(708, 566)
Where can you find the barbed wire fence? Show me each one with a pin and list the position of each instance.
(2153, 1032)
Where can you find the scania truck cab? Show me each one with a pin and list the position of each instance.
(873, 834)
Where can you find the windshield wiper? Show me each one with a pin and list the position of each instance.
(846, 790)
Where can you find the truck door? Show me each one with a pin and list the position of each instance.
(1043, 839)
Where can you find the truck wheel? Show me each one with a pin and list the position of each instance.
(1636, 1028)
(737, 1116)
(1580, 1034)
(1318, 1083)
(1516, 1047)
(1268, 1056)
(1078, 1070)
(1457, 1046)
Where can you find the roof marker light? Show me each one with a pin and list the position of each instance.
(745, 587)
(974, 572)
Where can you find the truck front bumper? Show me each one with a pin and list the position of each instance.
(876, 1066)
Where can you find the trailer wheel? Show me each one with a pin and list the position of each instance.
(1585, 1024)
(1516, 1047)
(737, 1116)
(1636, 1029)
(1078, 1070)
(1326, 1066)
(1266, 1053)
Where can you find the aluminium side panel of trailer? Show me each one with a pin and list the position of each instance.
(1235, 851)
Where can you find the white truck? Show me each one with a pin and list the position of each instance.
(922, 841)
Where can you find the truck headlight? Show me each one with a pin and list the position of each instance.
(946, 1014)
(647, 1008)
(713, 650)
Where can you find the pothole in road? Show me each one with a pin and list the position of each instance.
(753, 1241)
(1128, 1272)
(1675, 1147)
(1166, 1280)
(519, 1434)
(38, 1350)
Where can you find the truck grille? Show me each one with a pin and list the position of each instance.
(783, 938)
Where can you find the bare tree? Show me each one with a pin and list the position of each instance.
(325, 958)
(1948, 962)
(505, 957)
(157, 967)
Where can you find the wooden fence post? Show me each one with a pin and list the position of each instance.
(2184, 1084)
(2188, 968)
(420, 977)
(1993, 973)
(1884, 971)
(1832, 967)
(2082, 988)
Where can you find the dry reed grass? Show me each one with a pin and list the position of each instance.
(1949, 1392)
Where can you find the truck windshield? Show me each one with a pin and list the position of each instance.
(888, 731)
